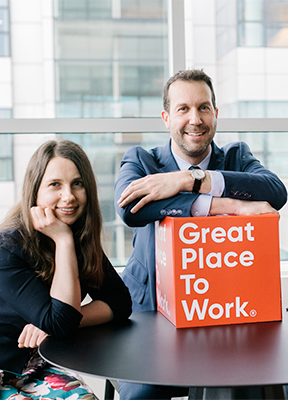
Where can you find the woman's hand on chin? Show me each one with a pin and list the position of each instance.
(45, 221)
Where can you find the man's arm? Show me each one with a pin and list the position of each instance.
(226, 205)
(160, 186)
(163, 186)
(247, 179)
(138, 164)
(141, 196)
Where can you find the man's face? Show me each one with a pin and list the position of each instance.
(192, 119)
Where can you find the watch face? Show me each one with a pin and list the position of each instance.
(198, 174)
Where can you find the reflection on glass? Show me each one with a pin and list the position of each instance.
(251, 10)
(251, 34)
(111, 57)
(257, 23)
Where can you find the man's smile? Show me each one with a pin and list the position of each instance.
(194, 133)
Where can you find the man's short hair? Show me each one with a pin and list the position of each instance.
(188, 76)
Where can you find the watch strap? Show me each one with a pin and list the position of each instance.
(196, 186)
(197, 182)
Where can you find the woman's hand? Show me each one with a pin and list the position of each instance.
(31, 337)
(45, 221)
(65, 284)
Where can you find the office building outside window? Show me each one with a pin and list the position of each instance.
(111, 57)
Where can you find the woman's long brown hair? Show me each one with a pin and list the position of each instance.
(87, 229)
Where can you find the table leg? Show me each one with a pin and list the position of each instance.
(211, 393)
(109, 391)
(195, 393)
(277, 392)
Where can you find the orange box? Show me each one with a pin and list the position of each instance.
(218, 270)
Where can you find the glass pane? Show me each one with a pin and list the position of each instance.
(276, 10)
(82, 81)
(142, 9)
(89, 41)
(113, 66)
(5, 146)
(277, 35)
(141, 81)
(252, 109)
(251, 34)
(226, 27)
(253, 10)
(6, 160)
(84, 9)
(4, 20)
(5, 170)
(226, 40)
(277, 109)
(4, 45)
(5, 113)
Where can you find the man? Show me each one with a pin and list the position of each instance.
(154, 184)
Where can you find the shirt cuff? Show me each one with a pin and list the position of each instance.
(201, 206)
(217, 183)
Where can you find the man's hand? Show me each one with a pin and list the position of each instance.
(158, 187)
(225, 205)
(31, 337)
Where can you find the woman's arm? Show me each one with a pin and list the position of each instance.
(111, 300)
(96, 312)
(65, 284)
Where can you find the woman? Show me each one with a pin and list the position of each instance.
(50, 258)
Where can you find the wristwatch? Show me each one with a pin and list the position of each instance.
(198, 176)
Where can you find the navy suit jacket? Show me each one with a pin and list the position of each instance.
(245, 178)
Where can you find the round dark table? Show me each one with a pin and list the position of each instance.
(149, 349)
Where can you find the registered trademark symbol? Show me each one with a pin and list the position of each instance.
(253, 313)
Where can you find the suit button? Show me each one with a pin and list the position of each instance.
(179, 212)
(163, 212)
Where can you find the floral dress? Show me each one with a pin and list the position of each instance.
(40, 380)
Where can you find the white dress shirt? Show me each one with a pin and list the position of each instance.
(201, 206)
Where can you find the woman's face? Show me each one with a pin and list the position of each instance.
(62, 190)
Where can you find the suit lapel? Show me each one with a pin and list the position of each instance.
(165, 159)
(217, 160)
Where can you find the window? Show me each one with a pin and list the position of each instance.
(4, 29)
(111, 58)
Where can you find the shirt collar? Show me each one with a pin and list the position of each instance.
(183, 164)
